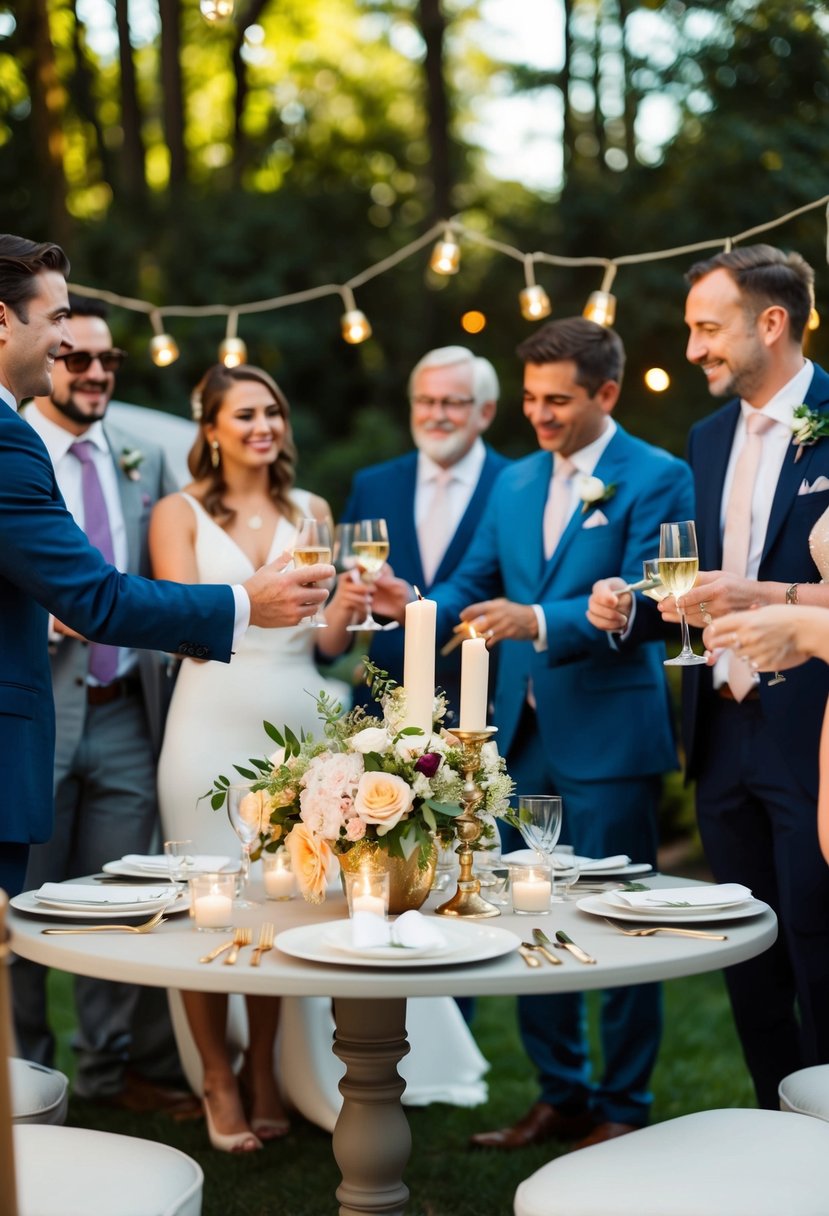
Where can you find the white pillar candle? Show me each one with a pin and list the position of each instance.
(213, 911)
(474, 684)
(419, 664)
(279, 883)
(370, 905)
(532, 889)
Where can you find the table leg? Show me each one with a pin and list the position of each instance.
(372, 1140)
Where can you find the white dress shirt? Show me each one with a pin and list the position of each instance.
(466, 474)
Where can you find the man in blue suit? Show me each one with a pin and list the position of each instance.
(47, 565)
(576, 716)
(432, 499)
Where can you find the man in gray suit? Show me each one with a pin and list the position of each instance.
(109, 707)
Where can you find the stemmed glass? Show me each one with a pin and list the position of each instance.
(650, 571)
(370, 546)
(244, 814)
(312, 544)
(343, 555)
(678, 568)
(539, 822)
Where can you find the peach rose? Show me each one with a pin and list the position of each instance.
(384, 799)
(310, 858)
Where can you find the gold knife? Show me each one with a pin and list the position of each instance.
(543, 944)
(566, 943)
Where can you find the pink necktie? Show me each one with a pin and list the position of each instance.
(437, 528)
(103, 660)
(737, 535)
(559, 505)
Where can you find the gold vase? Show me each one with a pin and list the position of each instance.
(409, 881)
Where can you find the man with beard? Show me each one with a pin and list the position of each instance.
(432, 499)
(109, 705)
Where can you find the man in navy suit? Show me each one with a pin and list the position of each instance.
(432, 499)
(47, 565)
(576, 716)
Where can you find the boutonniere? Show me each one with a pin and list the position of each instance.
(130, 462)
(808, 426)
(592, 491)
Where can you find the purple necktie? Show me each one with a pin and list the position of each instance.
(103, 660)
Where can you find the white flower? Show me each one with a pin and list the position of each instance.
(592, 491)
(372, 739)
(130, 462)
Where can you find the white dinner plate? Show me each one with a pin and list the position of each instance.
(26, 902)
(123, 869)
(465, 944)
(602, 905)
(675, 907)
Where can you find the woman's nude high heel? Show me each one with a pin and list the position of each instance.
(233, 1142)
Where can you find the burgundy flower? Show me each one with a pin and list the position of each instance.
(428, 764)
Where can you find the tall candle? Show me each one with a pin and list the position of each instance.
(474, 684)
(419, 664)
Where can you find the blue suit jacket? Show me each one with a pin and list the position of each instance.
(47, 565)
(602, 713)
(794, 709)
(388, 491)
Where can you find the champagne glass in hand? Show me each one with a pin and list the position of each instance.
(312, 544)
(243, 811)
(678, 568)
(539, 822)
(371, 549)
(650, 571)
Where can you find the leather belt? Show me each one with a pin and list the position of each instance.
(725, 694)
(103, 694)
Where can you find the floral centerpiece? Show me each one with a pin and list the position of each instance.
(367, 784)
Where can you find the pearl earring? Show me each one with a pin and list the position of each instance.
(215, 455)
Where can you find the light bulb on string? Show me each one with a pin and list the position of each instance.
(232, 351)
(601, 305)
(446, 255)
(216, 12)
(163, 347)
(657, 379)
(533, 300)
(354, 325)
(814, 319)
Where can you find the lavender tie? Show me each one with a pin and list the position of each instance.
(103, 660)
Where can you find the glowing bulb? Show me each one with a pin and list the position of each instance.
(657, 379)
(215, 12)
(601, 308)
(232, 352)
(163, 350)
(355, 327)
(473, 321)
(535, 303)
(814, 319)
(446, 256)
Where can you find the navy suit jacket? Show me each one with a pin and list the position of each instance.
(47, 565)
(387, 491)
(795, 709)
(602, 712)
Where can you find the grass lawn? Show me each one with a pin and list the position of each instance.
(700, 1067)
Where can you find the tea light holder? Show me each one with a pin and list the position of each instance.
(367, 892)
(278, 878)
(211, 898)
(467, 900)
(532, 889)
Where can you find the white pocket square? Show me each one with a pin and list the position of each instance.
(819, 484)
(597, 518)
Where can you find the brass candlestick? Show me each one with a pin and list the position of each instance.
(467, 900)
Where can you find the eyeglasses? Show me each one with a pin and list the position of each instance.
(81, 360)
(445, 403)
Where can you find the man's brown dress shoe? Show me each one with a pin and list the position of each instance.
(606, 1131)
(542, 1121)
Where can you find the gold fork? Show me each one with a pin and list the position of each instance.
(241, 937)
(146, 927)
(711, 937)
(264, 944)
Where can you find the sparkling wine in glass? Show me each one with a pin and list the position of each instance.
(539, 822)
(312, 544)
(370, 545)
(243, 811)
(678, 566)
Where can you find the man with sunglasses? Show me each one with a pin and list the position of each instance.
(109, 710)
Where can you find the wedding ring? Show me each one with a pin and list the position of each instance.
(704, 613)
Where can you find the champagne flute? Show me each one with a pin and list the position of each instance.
(678, 566)
(370, 545)
(312, 544)
(243, 811)
(650, 571)
(539, 822)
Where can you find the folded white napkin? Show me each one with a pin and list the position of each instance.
(587, 865)
(411, 931)
(83, 893)
(158, 863)
(714, 895)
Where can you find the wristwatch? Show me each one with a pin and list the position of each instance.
(791, 593)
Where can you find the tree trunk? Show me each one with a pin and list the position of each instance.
(568, 134)
(172, 90)
(240, 145)
(432, 28)
(629, 94)
(48, 100)
(133, 174)
(81, 90)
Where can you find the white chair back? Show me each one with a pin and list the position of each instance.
(7, 1171)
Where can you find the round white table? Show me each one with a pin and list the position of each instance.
(372, 1140)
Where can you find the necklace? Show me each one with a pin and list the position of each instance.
(255, 522)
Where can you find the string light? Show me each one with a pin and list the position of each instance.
(446, 255)
(216, 12)
(473, 321)
(534, 301)
(232, 350)
(657, 379)
(814, 319)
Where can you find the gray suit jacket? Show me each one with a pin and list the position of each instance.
(69, 657)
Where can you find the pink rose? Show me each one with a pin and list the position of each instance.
(310, 858)
(384, 799)
(355, 829)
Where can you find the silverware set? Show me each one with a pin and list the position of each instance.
(541, 943)
(240, 939)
